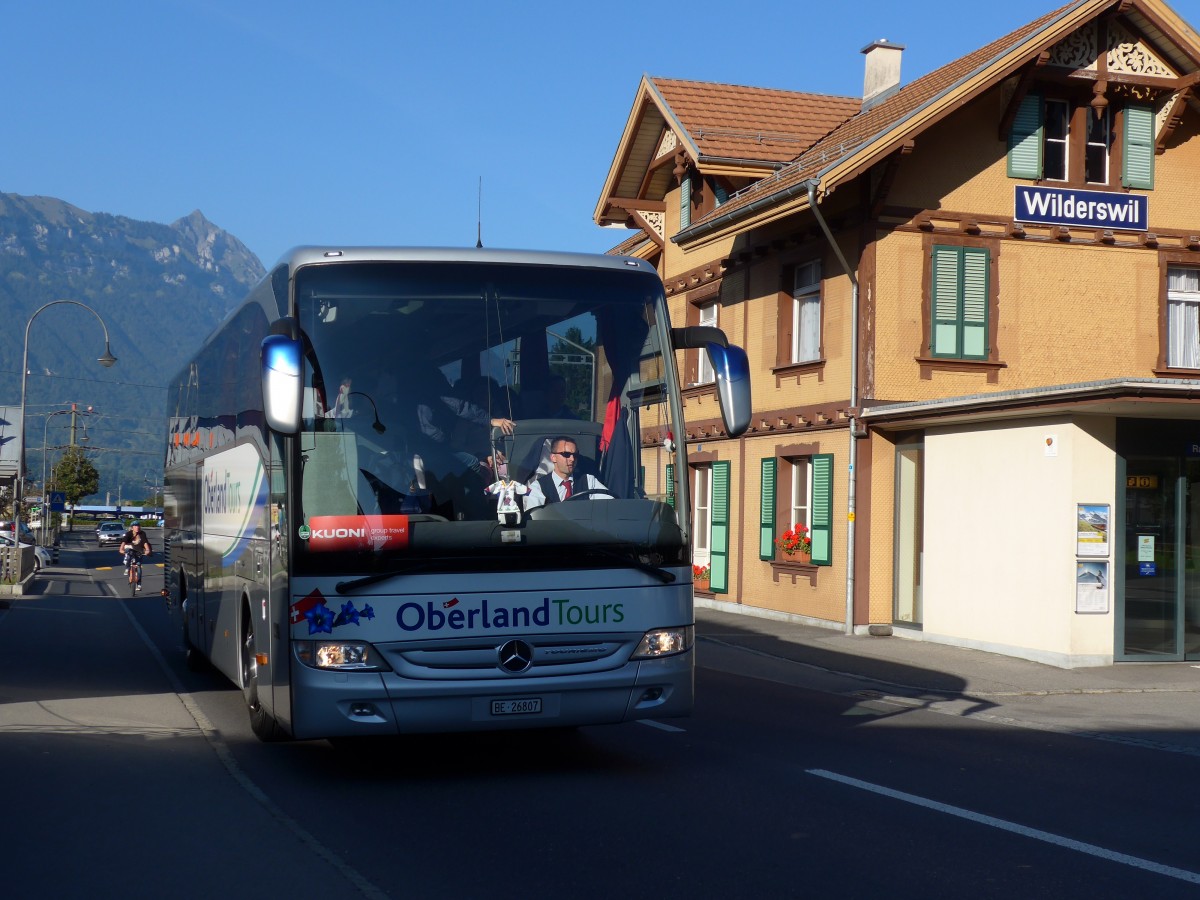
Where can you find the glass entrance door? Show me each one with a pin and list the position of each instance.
(1191, 559)
(1151, 584)
(1161, 559)
(909, 533)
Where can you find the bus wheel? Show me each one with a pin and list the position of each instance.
(262, 723)
(192, 657)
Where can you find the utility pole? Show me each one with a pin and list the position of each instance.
(74, 421)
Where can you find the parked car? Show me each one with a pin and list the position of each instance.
(26, 534)
(110, 533)
(41, 556)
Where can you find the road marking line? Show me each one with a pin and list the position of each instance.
(1024, 831)
(316, 849)
(661, 726)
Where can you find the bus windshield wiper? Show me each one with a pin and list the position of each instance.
(633, 562)
(343, 587)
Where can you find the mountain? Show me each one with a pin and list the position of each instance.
(159, 289)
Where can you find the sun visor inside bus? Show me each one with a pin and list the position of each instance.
(281, 382)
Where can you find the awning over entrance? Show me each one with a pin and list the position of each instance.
(1147, 398)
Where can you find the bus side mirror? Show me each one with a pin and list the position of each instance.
(732, 369)
(281, 357)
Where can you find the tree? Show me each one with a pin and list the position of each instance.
(75, 475)
(574, 358)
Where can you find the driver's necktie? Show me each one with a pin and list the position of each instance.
(566, 488)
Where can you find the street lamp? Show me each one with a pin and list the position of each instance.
(107, 360)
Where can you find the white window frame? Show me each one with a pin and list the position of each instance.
(806, 312)
(1106, 117)
(1062, 144)
(704, 371)
(1183, 317)
(800, 501)
(702, 488)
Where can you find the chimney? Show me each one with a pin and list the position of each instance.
(882, 74)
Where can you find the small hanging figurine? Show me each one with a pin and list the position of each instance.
(508, 510)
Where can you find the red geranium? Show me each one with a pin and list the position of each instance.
(795, 540)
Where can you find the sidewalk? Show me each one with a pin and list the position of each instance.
(1148, 704)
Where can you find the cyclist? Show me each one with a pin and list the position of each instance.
(136, 543)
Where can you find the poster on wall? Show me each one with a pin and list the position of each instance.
(1091, 529)
(1091, 586)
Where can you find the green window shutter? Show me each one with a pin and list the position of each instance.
(1137, 158)
(960, 302)
(685, 202)
(947, 282)
(822, 509)
(975, 303)
(671, 484)
(719, 548)
(1025, 139)
(766, 517)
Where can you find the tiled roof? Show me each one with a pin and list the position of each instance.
(630, 244)
(878, 119)
(747, 123)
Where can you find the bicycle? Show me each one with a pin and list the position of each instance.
(133, 569)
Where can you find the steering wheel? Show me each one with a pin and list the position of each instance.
(587, 493)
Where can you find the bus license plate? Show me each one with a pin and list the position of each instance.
(523, 706)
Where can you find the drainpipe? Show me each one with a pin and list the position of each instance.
(812, 185)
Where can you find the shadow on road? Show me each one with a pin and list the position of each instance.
(858, 667)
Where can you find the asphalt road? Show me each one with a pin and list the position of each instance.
(128, 774)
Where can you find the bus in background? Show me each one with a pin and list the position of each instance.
(347, 473)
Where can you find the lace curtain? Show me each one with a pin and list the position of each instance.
(1183, 318)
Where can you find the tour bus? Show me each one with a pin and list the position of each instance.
(350, 535)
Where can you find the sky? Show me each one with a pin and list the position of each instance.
(392, 122)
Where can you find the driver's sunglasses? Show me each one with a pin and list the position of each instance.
(565, 454)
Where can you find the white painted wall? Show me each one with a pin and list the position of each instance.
(1000, 536)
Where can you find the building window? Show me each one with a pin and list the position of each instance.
(1099, 143)
(1055, 151)
(806, 313)
(961, 291)
(701, 514)
(1064, 140)
(799, 314)
(797, 490)
(1183, 317)
(1056, 154)
(705, 374)
(801, 491)
(710, 522)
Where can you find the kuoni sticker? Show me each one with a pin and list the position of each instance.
(334, 533)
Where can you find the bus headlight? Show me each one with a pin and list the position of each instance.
(664, 642)
(343, 656)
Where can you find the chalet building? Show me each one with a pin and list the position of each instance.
(972, 309)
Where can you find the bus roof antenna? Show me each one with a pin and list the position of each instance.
(479, 216)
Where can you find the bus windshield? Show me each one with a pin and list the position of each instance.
(439, 401)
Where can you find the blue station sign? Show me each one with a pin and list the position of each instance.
(1082, 209)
